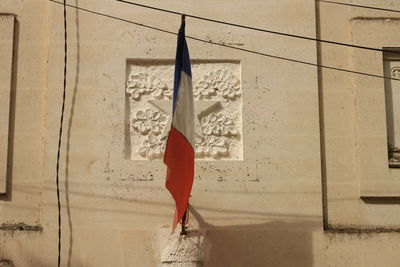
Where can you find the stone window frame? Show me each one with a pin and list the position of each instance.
(393, 152)
(376, 179)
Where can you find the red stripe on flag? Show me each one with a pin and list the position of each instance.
(179, 158)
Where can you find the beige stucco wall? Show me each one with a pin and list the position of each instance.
(265, 210)
(27, 113)
(356, 163)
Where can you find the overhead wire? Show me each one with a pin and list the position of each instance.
(359, 6)
(229, 46)
(60, 132)
(259, 29)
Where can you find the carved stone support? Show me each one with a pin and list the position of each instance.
(188, 251)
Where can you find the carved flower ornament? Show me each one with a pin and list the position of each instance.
(218, 124)
(153, 147)
(396, 72)
(149, 122)
(140, 84)
(203, 91)
(163, 92)
(216, 129)
(211, 146)
(222, 81)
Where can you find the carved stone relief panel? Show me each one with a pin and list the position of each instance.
(218, 108)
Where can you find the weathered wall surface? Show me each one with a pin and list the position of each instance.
(257, 199)
(355, 162)
(21, 202)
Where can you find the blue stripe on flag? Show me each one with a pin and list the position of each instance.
(182, 62)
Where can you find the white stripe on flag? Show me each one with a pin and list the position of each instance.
(183, 119)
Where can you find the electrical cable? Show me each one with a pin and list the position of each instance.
(359, 6)
(60, 133)
(232, 47)
(260, 29)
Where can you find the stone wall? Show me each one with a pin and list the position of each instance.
(279, 169)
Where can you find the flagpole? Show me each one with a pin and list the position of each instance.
(183, 231)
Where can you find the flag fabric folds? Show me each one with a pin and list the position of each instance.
(179, 152)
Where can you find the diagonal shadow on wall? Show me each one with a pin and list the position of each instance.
(268, 244)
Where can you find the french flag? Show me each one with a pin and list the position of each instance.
(179, 152)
